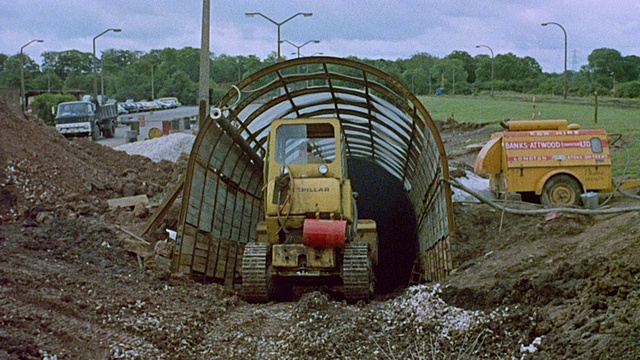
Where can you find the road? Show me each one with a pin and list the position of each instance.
(153, 119)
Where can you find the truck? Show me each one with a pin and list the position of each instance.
(310, 235)
(549, 161)
(86, 118)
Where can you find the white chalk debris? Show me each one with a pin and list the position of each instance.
(168, 147)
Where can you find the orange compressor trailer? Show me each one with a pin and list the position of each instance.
(549, 161)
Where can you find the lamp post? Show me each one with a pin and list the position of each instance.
(278, 24)
(95, 62)
(564, 87)
(298, 47)
(23, 101)
(490, 49)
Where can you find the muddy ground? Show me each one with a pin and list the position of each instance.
(524, 287)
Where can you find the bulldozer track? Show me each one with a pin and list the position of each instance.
(356, 272)
(255, 280)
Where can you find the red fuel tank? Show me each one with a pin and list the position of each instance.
(324, 233)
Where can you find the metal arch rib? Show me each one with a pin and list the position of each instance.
(395, 119)
(392, 88)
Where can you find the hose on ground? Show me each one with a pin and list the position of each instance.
(626, 193)
(624, 171)
(455, 183)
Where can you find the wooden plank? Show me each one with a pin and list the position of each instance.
(203, 242)
(231, 264)
(448, 259)
(145, 242)
(201, 253)
(186, 260)
(158, 216)
(428, 264)
(188, 244)
(175, 262)
(199, 265)
(223, 254)
(190, 230)
(213, 257)
(441, 259)
(128, 201)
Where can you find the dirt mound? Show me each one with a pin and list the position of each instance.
(40, 171)
(577, 276)
(69, 289)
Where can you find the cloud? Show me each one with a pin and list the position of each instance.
(367, 29)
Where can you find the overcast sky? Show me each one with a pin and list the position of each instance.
(388, 29)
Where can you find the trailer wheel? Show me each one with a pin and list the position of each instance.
(561, 191)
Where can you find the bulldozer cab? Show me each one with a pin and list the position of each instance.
(305, 175)
(306, 147)
(305, 144)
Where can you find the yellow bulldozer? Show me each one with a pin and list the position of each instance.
(311, 235)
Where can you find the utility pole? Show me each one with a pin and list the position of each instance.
(203, 92)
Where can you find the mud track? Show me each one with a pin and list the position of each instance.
(71, 284)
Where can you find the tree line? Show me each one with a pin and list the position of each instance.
(125, 74)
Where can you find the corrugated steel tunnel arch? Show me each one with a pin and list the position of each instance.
(383, 122)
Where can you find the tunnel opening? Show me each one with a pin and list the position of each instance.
(381, 197)
(396, 159)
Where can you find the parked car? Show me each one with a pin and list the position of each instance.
(171, 101)
(149, 105)
(122, 109)
(161, 104)
(130, 106)
(140, 106)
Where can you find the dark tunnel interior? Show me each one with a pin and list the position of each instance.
(381, 197)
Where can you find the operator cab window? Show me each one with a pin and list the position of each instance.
(305, 144)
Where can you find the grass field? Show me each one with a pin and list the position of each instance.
(614, 115)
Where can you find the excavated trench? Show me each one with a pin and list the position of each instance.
(382, 198)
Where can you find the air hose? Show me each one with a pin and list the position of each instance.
(457, 184)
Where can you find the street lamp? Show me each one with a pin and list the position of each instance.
(490, 49)
(95, 62)
(298, 47)
(23, 101)
(564, 88)
(278, 24)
